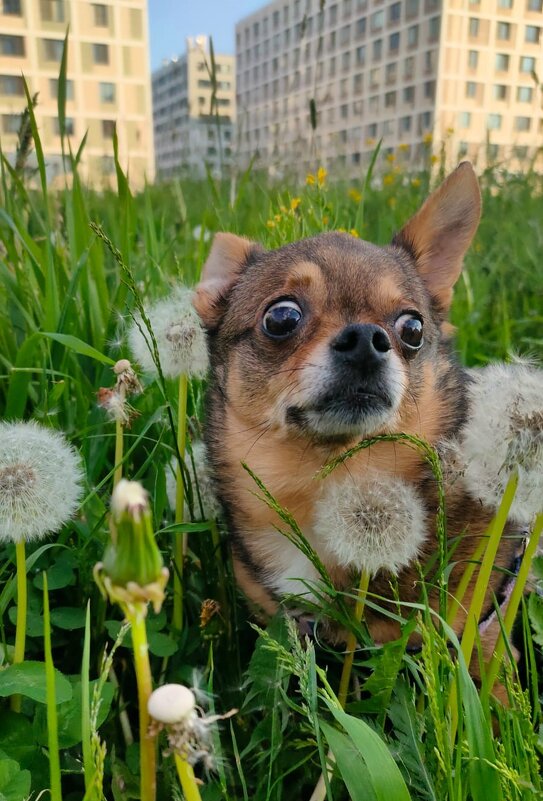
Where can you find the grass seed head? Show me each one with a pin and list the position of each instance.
(179, 335)
(40, 481)
(376, 524)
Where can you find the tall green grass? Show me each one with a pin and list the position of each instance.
(65, 303)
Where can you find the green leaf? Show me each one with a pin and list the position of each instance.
(79, 346)
(34, 621)
(535, 611)
(68, 617)
(160, 644)
(353, 770)
(386, 779)
(537, 567)
(59, 575)
(14, 782)
(19, 743)
(28, 678)
(69, 715)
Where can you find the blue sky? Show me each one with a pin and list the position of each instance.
(171, 21)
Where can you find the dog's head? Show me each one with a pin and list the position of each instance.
(333, 338)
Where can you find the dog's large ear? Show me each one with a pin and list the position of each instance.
(226, 262)
(438, 236)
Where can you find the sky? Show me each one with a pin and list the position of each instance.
(170, 21)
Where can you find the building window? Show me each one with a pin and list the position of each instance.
(493, 151)
(69, 126)
(361, 26)
(411, 8)
(500, 91)
(11, 123)
(12, 7)
(391, 73)
(409, 94)
(12, 85)
(527, 64)
(100, 53)
(474, 27)
(471, 89)
(425, 121)
(464, 119)
(345, 35)
(473, 59)
(375, 76)
(377, 20)
(502, 62)
(345, 61)
(531, 34)
(101, 15)
(332, 15)
(390, 99)
(52, 49)
(12, 45)
(524, 94)
(503, 31)
(52, 10)
(395, 13)
(108, 129)
(374, 104)
(505, 3)
(520, 151)
(462, 149)
(377, 49)
(361, 55)
(358, 83)
(430, 60)
(522, 123)
(494, 122)
(534, 5)
(409, 67)
(413, 36)
(429, 90)
(405, 124)
(344, 111)
(53, 88)
(393, 42)
(107, 92)
(372, 130)
(433, 29)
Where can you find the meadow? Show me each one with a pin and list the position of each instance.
(75, 266)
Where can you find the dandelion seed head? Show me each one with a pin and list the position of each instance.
(40, 481)
(505, 432)
(201, 482)
(128, 496)
(179, 335)
(377, 523)
(171, 703)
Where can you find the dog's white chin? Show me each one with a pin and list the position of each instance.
(329, 425)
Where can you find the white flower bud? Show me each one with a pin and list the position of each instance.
(171, 703)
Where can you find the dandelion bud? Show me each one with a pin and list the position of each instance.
(171, 703)
(40, 481)
(504, 433)
(377, 523)
(179, 336)
(132, 572)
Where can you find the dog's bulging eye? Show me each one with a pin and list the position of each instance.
(281, 319)
(409, 329)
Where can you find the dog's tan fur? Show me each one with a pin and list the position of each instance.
(339, 280)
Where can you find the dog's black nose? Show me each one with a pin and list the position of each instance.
(363, 344)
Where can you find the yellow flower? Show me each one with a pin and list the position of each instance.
(390, 157)
(392, 202)
(354, 232)
(321, 176)
(325, 220)
(283, 209)
(270, 224)
(277, 218)
(341, 230)
(370, 141)
(403, 147)
(355, 195)
(450, 131)
(388, 179)
(310, 179)
(434, 159)
(415, 182)
(427, 138)
(294, 203)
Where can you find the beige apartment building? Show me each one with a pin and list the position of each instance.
(108, 82)
(194, 111)
(322, 83)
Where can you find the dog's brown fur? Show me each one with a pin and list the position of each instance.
(338, 280)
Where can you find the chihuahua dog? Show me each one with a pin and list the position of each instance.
(318, 345)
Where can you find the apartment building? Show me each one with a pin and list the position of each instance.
(108, 82)
(194, 111)
(323, 82)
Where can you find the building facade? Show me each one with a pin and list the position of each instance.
(108, 82)
(323, 82)
(194, 111)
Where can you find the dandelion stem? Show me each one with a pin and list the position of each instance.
(514, 602)
(20, 630)
(180, 541)
(145, 688)
(351, 639)
(456, 600)
(187, 779)
(119, 443)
